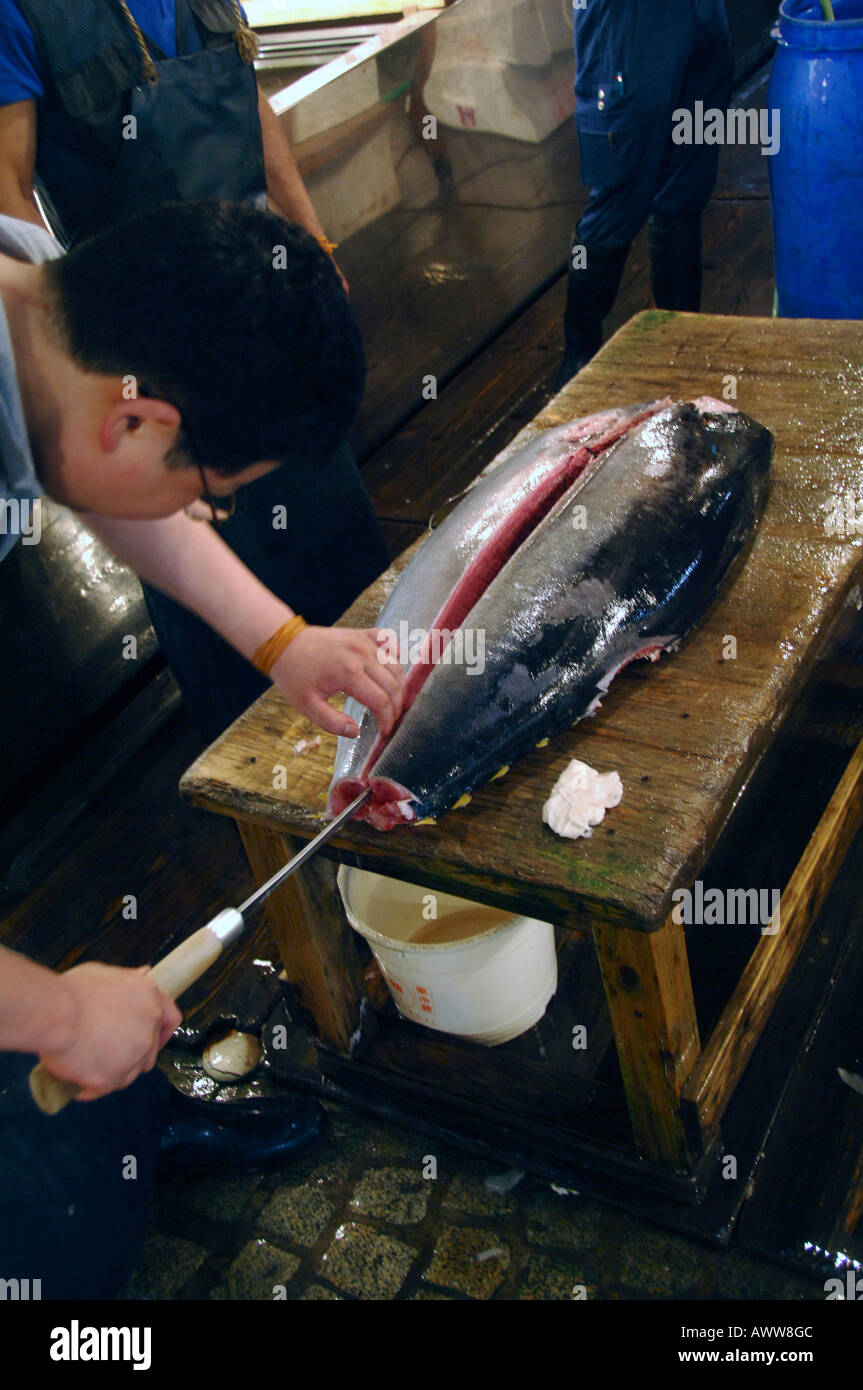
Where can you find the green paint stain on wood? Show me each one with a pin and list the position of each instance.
(650, 320)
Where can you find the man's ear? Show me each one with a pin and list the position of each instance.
(124, 417)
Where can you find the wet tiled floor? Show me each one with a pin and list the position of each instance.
(377, 1212)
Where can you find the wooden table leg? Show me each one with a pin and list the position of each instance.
(742, 1021)
(315, 939)
(649, 994)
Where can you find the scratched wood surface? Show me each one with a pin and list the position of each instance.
(685, 734)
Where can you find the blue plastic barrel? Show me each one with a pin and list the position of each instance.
(816, 175)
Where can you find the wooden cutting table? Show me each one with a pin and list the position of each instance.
(687, 736)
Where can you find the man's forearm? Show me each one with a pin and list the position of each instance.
(287, 192)
(37, 1009)
(18, 138)
(14, 202)
(189, 562)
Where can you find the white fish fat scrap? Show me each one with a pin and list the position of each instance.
(580, 798)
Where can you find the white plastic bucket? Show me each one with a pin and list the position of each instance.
(490, 986)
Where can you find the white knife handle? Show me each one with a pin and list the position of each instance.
(173, 975)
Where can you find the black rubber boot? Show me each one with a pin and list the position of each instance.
(211, 1136)
(675, 261)
(590, 293)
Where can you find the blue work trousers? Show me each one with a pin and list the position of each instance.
(637, 62)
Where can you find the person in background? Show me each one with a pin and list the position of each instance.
(107, 109)
(636, 62)
(190, 287)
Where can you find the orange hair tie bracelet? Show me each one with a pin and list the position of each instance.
(329, 246)
(269, 652)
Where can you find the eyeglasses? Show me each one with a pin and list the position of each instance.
(218, 515)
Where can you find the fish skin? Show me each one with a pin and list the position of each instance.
(422, 590)
(668, 509)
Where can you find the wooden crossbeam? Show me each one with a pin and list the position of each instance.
(721, 1064)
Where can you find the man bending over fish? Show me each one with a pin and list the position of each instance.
(134, 383)
(131, 383)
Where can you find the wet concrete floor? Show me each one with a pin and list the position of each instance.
(356, 1218)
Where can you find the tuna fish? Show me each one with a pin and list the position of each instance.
(600, 542)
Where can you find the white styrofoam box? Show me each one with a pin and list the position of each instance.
(493, 96)
(355, 92)
(388, 40)
(525, 32)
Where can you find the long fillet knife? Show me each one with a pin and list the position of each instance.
(189, 961)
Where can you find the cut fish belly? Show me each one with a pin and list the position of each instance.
(572, 561)
(425, 591)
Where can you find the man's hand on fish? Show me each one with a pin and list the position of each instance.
(323, 660)
(192, 564)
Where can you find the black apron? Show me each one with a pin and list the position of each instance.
(193, 133)
(197, 135)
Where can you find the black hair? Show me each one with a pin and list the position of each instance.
(236, 317)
